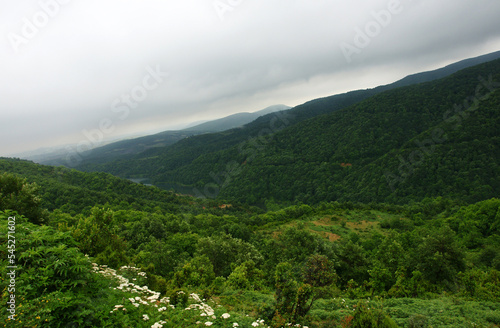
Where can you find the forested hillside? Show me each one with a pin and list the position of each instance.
(190, 162)
(432, 139)
(437, 138)
(143, 257)
(369, 209)
(74, 192)
(236, 120)
(128, 148)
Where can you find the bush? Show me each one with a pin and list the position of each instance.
(365, 317)
(199, 272)
(493, 318)
(178, 298)
(246, 276)
(18, 195)
(417, 321)
(55, 282)
(218, 286)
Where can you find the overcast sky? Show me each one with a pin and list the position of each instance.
(74, 70)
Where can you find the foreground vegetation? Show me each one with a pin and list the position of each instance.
(429, 264)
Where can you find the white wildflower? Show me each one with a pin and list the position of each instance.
(195, 297)
(226, 315)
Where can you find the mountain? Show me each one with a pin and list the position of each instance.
(205, 164)
(447, 70)
(73, 191)
(198, 145)
(402, 145)
(41, 155)
(127, 148)
(235, 120)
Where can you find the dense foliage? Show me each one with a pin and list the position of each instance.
(328, 265)
(432, 139)
(351, 229)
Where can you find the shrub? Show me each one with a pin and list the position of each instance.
(199, 272)
(18, 195)
(246, 276)
(179, 298)
(365, 317)
(417, 321)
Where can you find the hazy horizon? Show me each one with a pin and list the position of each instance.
(124, 68)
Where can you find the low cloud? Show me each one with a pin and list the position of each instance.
(65, 78)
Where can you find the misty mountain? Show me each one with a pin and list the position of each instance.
(235, 120)
(192, 162)
(129, 147)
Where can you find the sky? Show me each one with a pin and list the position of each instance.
(85, 71)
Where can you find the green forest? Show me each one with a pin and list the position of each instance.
(376, 208)
(432, 139)
(93, 250)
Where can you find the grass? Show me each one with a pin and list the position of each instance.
(443, 312)
(338, 226)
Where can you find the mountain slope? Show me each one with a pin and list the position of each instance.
(125, 149)
(74, 191)
(404, 144)
(447, 70)
(354, 153)
(235, 120)
(154, 162)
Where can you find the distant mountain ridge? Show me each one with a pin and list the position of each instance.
(193, 161)
(129, 147)
(447, 70)
(357, 146)
(402, 145)
(235, 120)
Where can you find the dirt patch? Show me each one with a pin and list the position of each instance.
(324, 222)
(327, 235)
(276, 234)
(360, 225)
(331, 236)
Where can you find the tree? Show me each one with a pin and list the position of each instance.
(353, 263)
(18, 195)
(318, 271)
(223, 250)
(389, 258)
(286, 290)
(199, 272)
(293, 299)
(439, 257)
(97, 237)
(246, 276)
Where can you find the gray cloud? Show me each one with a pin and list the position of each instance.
(67, 73)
